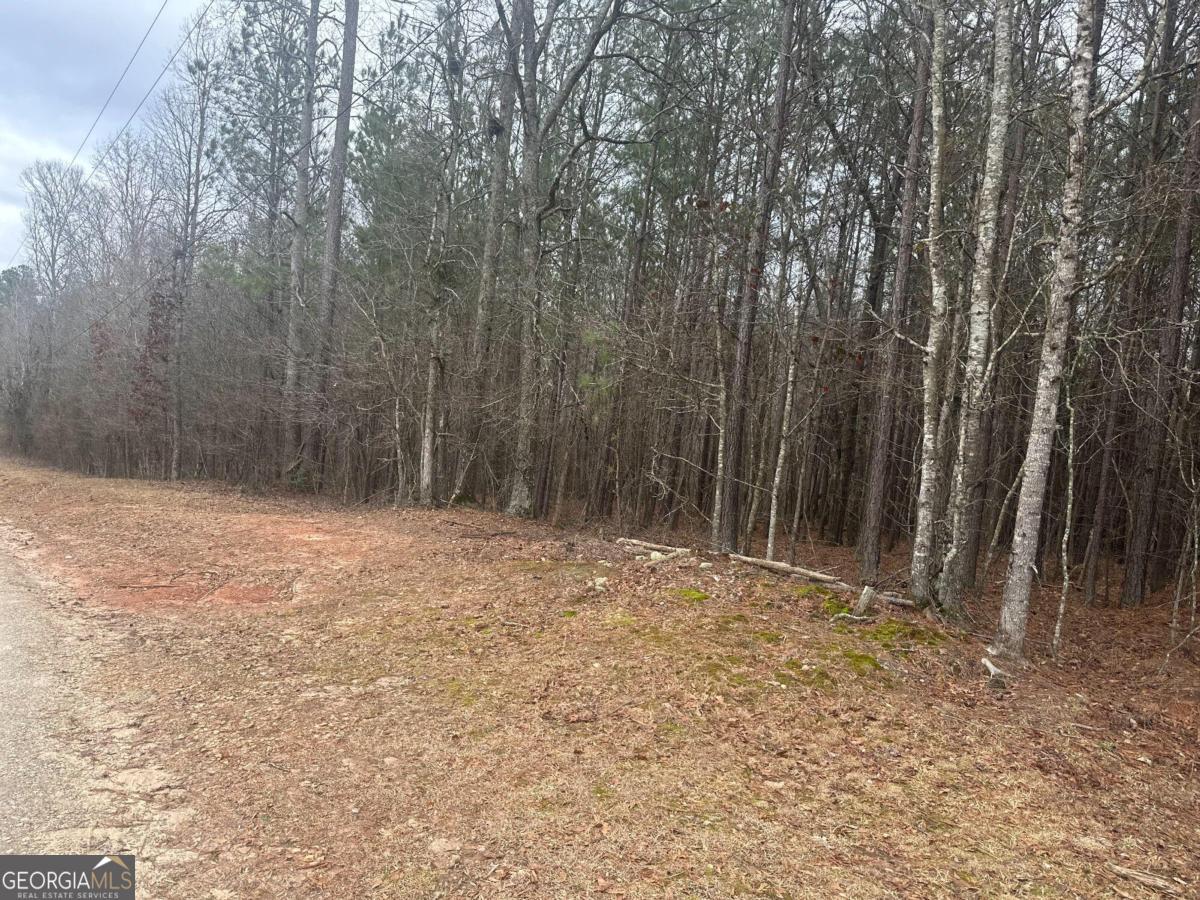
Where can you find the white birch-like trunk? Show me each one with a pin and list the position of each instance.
(1014, 613)
(975, 377)
(920, 581)
(780, 458)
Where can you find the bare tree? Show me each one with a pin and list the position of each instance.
(1010, 637)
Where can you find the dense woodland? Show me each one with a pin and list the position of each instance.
(870, 272)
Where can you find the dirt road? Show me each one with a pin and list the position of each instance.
(45, 787)
(72, 778)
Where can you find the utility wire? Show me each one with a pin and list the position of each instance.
(134, 292)
(133, 115)
(107, 100)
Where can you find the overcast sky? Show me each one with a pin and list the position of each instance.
(58, 61)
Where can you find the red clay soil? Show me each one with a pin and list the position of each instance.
(381, 703)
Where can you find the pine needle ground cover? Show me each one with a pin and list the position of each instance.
(383, 703)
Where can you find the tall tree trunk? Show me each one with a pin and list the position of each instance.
(437, 264)
(300, 208)
(184, 268)
(879, 464)
(520, 499)
(921, 578)
(967, 468)
(525, 50)
(331, 258)
(500, 131)
(1091, 556)
(1014, 613)
(1158, 403)
(739, 400)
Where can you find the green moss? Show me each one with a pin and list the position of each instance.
(567, 567)
(621, 619)
(862, 663)
(719, 671)
(813, 592)
(691, 595)
(815, 677)
(460, 693)
(767, 637)
(894, 633)
(714, 668)
(652, 634)
(671, 729)
(834, 606)
(731, 621)
(569, 613)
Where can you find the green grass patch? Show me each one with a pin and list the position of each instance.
(653, 634)
(691, 595)
(669, 728)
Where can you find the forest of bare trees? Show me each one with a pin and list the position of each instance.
(900, 277)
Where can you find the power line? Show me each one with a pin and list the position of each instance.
(246, 194)
(108, 100)
(124, 72)
(150, 90)
(146, 96)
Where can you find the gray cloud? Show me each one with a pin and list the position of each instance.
(58, 61)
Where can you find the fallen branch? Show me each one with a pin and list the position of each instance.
(997, 677)
(779, 568)
(848, 617)
(1156, 882)
(666, 557)
(646, 545)
(784, 569)
(822, 578)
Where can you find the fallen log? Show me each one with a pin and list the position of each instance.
(822, 578)
(666, 557)
(779, 568)
(784, 569)
(646, 545)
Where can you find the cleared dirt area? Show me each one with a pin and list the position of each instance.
(452, 703)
